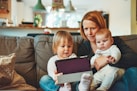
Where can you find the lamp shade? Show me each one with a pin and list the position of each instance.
(69, 7)
(39, 6)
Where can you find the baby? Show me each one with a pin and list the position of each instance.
(104, 77)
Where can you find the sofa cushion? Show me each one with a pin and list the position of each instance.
(43, 51)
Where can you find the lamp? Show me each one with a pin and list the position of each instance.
(57, 4)
(39, 6)
(69, 7)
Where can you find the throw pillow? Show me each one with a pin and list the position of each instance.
(7, 63)
(18, 84)
(9, 78)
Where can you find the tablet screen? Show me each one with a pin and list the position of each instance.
(73, 65)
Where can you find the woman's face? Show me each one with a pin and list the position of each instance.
(90, 28)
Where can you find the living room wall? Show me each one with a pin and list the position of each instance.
(133, 16)
(121, 12)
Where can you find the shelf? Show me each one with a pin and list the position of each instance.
(4, 11)
(63, 28)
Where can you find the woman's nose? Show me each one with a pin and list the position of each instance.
(89, 31)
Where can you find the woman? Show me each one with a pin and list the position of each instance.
(90, 24)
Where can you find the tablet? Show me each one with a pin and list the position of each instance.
(72, 69)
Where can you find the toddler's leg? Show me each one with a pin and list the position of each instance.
(48, 84)
(85, 82)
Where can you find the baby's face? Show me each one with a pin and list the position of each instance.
(103, 42)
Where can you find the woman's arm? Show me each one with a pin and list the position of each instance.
(100, 62)
(128, 56)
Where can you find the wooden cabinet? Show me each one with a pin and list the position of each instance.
(5, 9)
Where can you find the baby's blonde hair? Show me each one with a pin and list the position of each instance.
(57, 38)
(105, 32)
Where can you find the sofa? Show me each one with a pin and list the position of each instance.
(33, 52)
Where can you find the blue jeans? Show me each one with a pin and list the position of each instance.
(48, 84)
(128, 82)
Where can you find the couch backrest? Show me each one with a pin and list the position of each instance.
(25, 58)
(131, 41)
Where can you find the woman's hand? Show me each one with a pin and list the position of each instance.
(100, 62)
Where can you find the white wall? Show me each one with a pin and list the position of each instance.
(119, 11)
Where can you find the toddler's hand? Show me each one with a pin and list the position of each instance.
(56, 76)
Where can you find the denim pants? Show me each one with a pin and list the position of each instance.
(128, 82)
(48, 84)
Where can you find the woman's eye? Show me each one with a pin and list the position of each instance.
(85, 28)
(89, 29)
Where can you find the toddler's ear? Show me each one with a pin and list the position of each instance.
(112, 40)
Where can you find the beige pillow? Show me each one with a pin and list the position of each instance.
(18, 83)
(9, 78)
(7, 63)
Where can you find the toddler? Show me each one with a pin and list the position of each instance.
(62, 48)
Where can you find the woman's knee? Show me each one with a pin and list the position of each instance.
(131, 78)
(131, 70)
(131, 73)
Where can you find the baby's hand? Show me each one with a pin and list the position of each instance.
(110, 59)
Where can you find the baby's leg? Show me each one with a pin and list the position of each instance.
(107, 82)
(85, 82)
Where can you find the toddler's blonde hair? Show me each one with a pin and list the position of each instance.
(57, 38)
